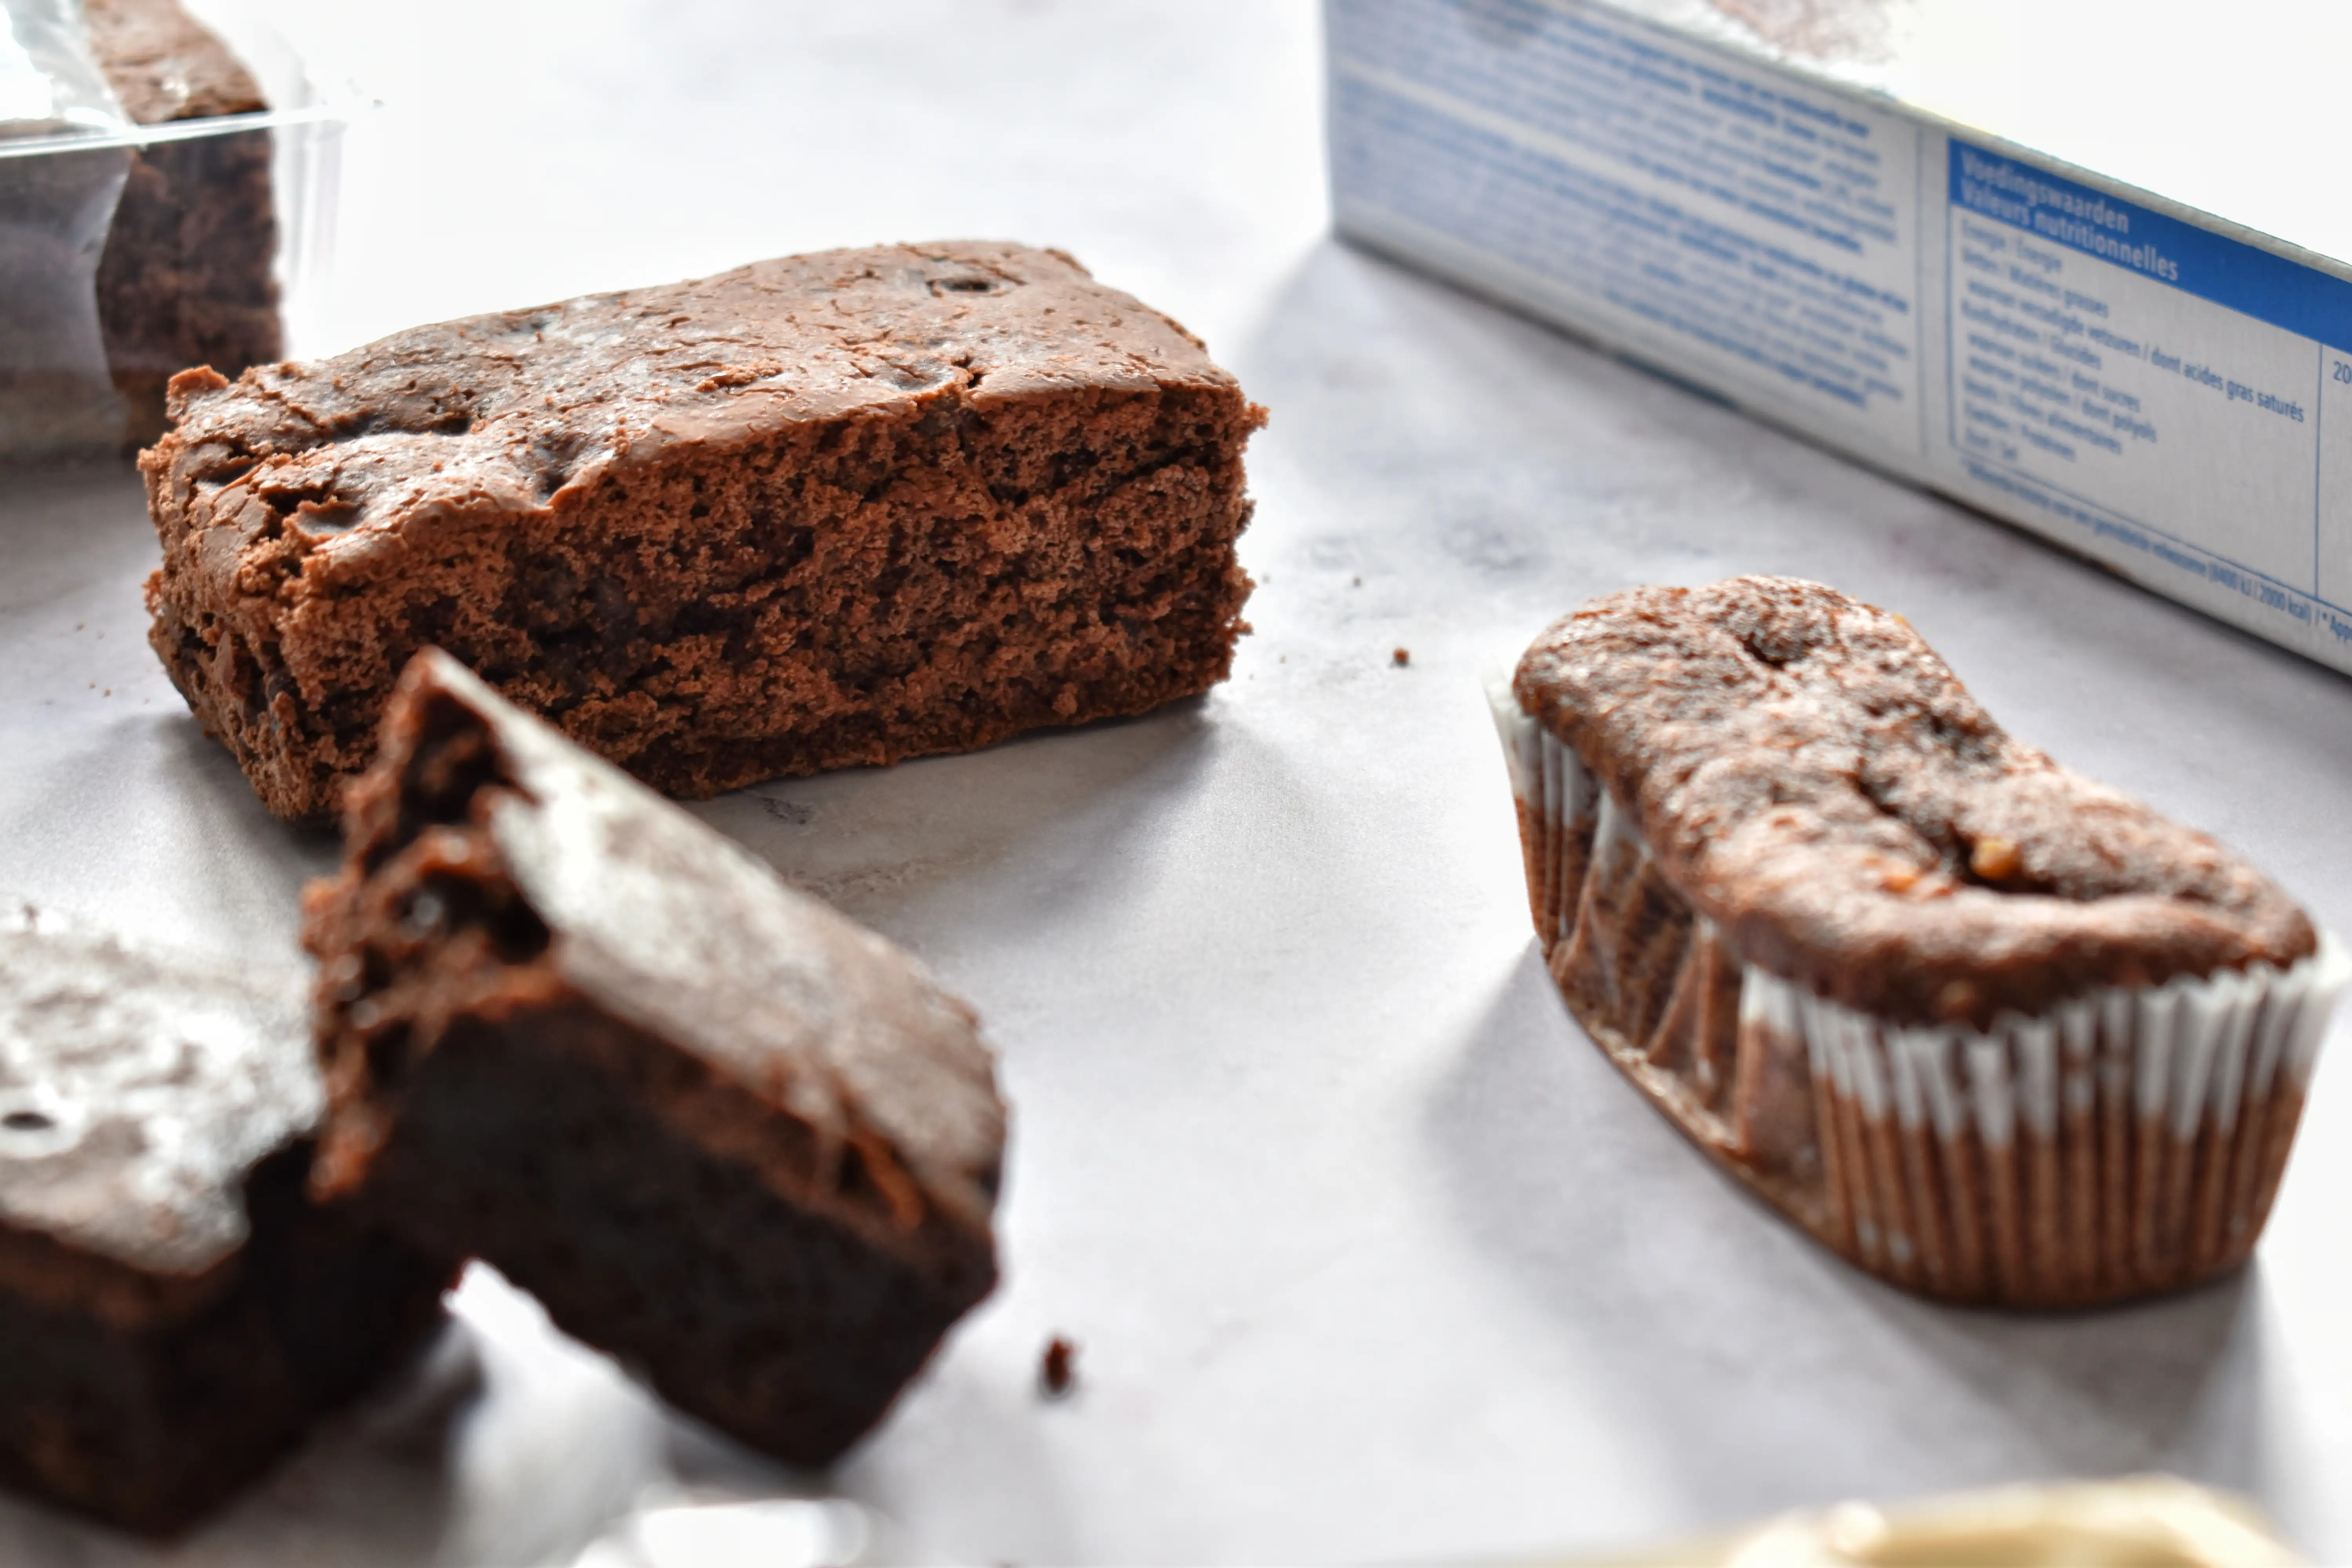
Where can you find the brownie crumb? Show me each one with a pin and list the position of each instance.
(1402, 658)
(1057, 1370)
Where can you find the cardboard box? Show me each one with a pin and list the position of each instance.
(1909, 231)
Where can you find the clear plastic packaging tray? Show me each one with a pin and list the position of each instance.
(129, 252)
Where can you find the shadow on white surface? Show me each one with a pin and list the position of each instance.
(115, 805)
(882, 844)
(1770, 1372)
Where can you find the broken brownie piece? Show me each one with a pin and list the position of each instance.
(188, 275)
(175, 1311)
(744, 1145)
(1993, 1031)
(828, 511)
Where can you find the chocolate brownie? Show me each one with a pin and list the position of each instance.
(175, 1311)
(1994, 1031)
(832, 510)
(746, 1146)
(188, 274)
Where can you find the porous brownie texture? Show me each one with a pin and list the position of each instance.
(175, 1311)
(188, 275)
(746, 1146)
(827, 511)
(1814, 781)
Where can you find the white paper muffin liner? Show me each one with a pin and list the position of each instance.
(2128, 1140)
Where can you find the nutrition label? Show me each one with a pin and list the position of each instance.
(2175, 400)
(1763, 233)
(2173, 389)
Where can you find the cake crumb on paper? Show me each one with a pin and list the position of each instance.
(1058, 1369)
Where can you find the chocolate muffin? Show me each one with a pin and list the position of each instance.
(744, 1145)
(1993, 1031)
(175, 1311)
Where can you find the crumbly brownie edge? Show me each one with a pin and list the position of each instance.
(1045, 641)
(761, 1279)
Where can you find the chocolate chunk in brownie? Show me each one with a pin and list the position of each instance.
(828, 511)
(746, 1146)
(175, 1311)
(1815, 782)
(188, 277)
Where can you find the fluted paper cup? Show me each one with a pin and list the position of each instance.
(2129, 1141)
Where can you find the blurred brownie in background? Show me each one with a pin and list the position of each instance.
(176, 1312)
(187, 277)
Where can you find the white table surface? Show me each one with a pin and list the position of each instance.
(1371, 1257)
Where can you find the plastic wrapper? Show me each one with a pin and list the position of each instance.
(62, 170)
(2139, 1522)
(166, 187)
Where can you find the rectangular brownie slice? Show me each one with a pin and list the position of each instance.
(189, 273)
(175, 1311)
(744, 1145)
(831, 510)
(1993, 1031)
